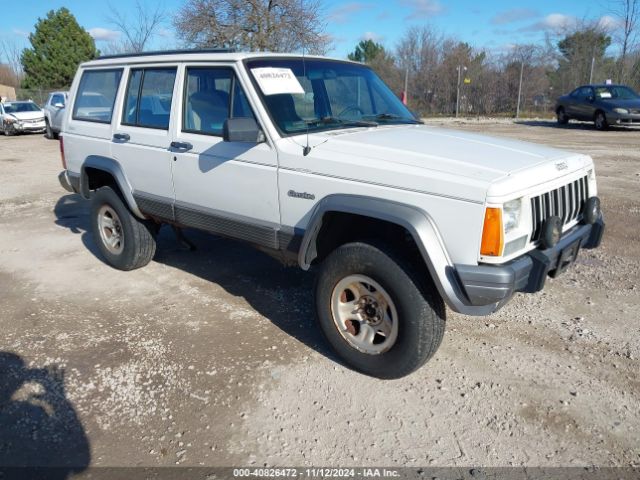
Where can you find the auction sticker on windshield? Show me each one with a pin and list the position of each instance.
(274, 81)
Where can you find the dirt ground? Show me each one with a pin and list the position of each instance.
(213, 358)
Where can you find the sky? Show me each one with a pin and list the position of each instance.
(495, 25)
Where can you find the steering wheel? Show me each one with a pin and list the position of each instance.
(350, 108)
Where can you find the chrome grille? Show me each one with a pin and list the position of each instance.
(567, 202)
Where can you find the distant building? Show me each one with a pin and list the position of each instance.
(7, 93)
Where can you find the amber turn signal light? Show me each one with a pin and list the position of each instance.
(492, 233)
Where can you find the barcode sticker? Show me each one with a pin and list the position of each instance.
(274, 81)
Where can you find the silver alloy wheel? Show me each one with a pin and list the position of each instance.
(364, 314)
(110, 229)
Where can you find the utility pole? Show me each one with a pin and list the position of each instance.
(406, 86)
(593, 61)
(519, 88)
(460, 67)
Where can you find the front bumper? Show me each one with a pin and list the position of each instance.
(623, 119)
(496, 284)
(29, 127)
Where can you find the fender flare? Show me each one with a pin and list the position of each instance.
(112, 167)
(416, 221)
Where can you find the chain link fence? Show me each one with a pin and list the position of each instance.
(38, 96)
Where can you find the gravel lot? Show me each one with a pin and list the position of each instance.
(212, 357)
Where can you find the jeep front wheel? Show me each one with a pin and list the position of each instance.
(125, 241)
(377, 312)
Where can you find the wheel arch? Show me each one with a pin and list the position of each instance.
(419, 225)
(98, 171)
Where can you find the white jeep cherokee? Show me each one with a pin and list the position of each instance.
(317, 162)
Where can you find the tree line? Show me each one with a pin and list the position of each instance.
(439, 71)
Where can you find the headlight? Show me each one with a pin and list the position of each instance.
(623, 111)
(9, 120)
(511, 215)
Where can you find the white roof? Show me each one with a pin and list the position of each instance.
(192, 56)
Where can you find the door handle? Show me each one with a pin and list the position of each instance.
(121, 137)
(181, 146)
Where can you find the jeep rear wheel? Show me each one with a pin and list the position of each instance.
(125, 241)
(377, 312)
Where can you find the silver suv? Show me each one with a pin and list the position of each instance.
(54, 111)
(318, 163)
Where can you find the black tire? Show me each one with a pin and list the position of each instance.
(49, 133)
(600, 121)
(9, 131)
(138, 239)
(562, 117)
(420, 309)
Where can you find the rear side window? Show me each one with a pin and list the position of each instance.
(211, 96)
(149, 97)
(96, 95)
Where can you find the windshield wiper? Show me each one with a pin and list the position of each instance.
(341, 121)
(393, 116)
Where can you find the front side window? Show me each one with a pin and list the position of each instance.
(149, 96)
(96, 95)
(57, 99)
(325, 95)
(211, 96)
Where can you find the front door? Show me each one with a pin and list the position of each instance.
(141, 140)
(228, 188)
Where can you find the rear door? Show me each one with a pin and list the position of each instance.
(141, 139)
(229, 188)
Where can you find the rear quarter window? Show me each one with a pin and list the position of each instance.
(96, 95)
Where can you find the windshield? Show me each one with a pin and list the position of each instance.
(318, 95)
(616, 93)
(21, 107)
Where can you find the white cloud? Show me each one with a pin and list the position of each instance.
(609, 23)
(373, 36)
(423, 8)
(342, 13)
(104, 34)
(513, 15)
(554, 22)
(20, 33)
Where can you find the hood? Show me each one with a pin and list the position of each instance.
(27, 115)
(441, 161)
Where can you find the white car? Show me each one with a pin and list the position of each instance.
(316, 162)
(21, 117)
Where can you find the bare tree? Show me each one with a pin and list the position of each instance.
(10, 53)
(263, 25)
(138, 32)
(627, 12)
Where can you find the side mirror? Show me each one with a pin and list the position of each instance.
(58, 105)
(590, 98)
(242, 129)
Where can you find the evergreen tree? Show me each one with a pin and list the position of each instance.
(366, 51)
(58, 45)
